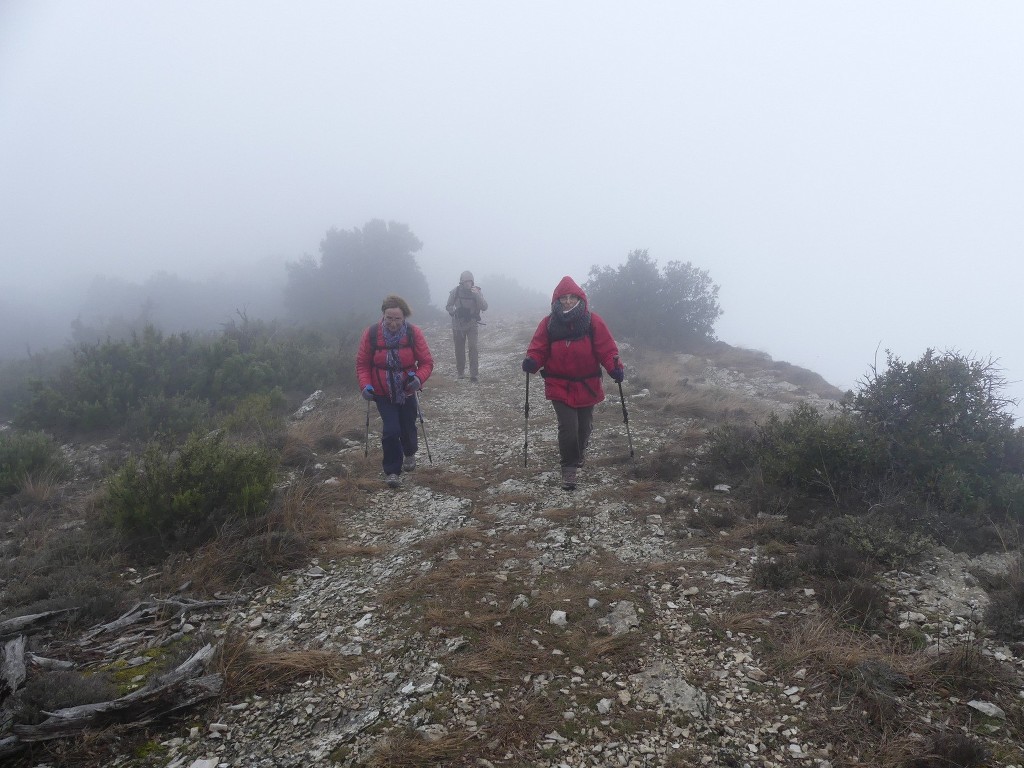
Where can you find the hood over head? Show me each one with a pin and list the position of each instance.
(566, 286)
(467, 275)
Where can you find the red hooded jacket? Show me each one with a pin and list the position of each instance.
(571, 367)
(372, 365)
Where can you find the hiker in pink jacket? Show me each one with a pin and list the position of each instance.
(393, 363)
(569, 348)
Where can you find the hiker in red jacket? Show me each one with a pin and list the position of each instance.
(568, 348)
(392, 364)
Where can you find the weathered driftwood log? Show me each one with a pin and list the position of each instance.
(45, 663)
(150, 609)
(12, 666)
(21, 624)
(180, 688)
(138, 612)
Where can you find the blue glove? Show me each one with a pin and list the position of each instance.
(530, 365)
(618, 373)
(367, 392)
(413, 385)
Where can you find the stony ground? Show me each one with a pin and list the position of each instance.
(485, 617)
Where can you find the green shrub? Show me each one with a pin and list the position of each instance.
(24, 454)
(180, 500)
(261, 412)
(775, 568)
(882, 540)
(927, 439)
(828, 456)
(947, 431)
(173, 415)
(155, 383)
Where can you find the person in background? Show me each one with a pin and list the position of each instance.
(568, 348)
(465, 303)
(392, 364)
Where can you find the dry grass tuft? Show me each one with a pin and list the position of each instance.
(307, 508)
(748, 622)
(411, 750)
(451, 539)
(820, 644)
(247, 670)
(965, 671)
(340, 550)
(565, 514)
(298, 526)
(496, 658)
(343, 417)
(39, 488)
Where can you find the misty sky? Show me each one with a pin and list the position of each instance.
(850, 174)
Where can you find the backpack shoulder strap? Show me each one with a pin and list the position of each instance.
(372, 332)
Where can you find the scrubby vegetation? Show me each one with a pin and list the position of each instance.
(25, 456)
(674, 307)
(928, 440)
(189, 482)
(175, 383)
(178, 501)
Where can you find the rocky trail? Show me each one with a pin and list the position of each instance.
(486, 617)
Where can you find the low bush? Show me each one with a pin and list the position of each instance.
(50, 691)
(775, 568)
(179, 500)
(859, 602)
(156, 383)
(1004, 614)
(167, 415)
(951, 750)
(880, 540)
(25, 455)
(260, 412)
(924, 441)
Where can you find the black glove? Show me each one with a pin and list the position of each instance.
(530, 365)
(618, 373)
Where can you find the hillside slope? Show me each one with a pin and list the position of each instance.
(482, 616)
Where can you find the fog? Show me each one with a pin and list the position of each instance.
(850, 174)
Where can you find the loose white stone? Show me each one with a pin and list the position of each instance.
(987, 708)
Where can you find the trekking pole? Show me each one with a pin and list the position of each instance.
(625, 420)
(423, 426)
(366, 443)
(526, 426)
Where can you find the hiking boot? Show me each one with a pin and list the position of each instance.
(409, 464)
(393, 481)
(474, 380)
(462, 376)
(569, 478)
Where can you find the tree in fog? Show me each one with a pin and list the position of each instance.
(675, 306)
(356, 269)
